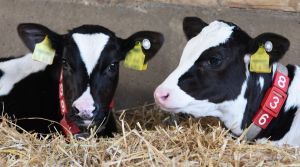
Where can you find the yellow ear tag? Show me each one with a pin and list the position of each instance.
(259, 61)
(44, 52)
(135, 58)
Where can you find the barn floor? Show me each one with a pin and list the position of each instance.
(145, 139)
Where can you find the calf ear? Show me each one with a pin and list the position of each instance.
(31, 34)
(280, 45)
(192, 26)
(151, 43)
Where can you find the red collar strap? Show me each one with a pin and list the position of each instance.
(271, 104)
(68, 126)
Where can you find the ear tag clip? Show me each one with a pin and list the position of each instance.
(146, 44)
(268, 46)
(44, 52)
(259, 61)
(135, 58)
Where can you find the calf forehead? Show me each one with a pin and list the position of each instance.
(214, 34)
(90, 47)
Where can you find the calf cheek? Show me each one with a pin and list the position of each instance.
(104, 90)
(73, 88)
(190, 85)
(204, 86)
(233, 79)
(198, 86)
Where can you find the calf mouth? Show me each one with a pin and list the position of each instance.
(169, 109)
(97, 123)
(172, 109)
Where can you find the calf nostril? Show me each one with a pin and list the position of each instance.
(97, 107)
(164, 97)
(75, 109)
(85, 113)
(161, 95)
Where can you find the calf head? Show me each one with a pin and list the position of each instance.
(89, 57)
(211, 78)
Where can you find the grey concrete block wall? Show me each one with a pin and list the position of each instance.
(135, 88)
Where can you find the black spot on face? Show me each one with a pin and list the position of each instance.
(219, 72)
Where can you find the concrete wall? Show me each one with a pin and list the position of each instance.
(285, 5)
(136, 88)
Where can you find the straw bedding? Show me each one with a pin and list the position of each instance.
(147, 138)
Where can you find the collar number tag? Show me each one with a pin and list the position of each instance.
(259, 61)
(135, 58)
(43, 52)
(262, 119)
(273, 101)
(281, 81)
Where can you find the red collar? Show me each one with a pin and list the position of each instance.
(68, 126)
(272, 101)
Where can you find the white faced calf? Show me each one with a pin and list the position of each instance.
(81, 82)
(213, 79)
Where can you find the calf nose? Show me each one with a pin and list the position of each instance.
(85, 113)
(161, 95)
(85, 105)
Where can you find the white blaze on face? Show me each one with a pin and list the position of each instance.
(90, 47)
(214, 34)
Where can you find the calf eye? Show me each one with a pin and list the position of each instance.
(64, 61)
(213, 62)
(113, 67)
(65, 64)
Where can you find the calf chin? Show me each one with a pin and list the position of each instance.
(105, 126)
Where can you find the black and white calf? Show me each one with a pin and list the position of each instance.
(86, 67)
(213, 79)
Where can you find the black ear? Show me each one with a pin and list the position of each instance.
(156, 41)
(280, 45)
(192, 26)
(31, 34)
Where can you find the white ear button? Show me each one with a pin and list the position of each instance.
(146, 44)
(268, 46)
